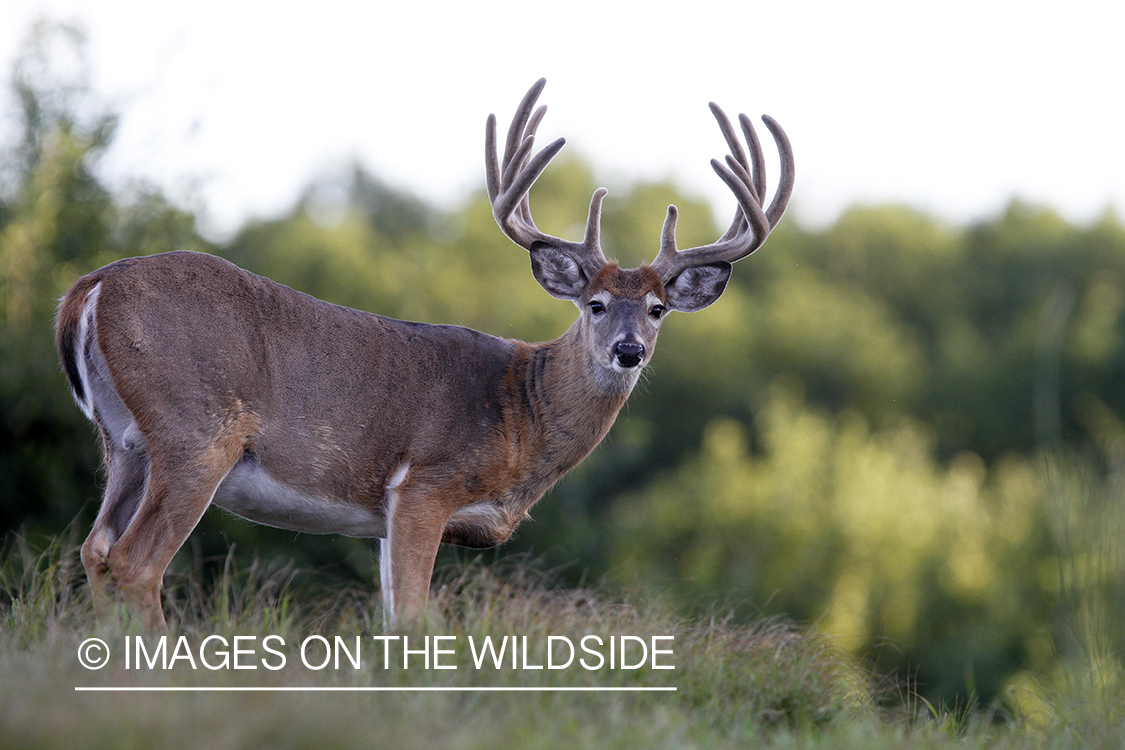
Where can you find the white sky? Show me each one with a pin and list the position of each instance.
(953, 107)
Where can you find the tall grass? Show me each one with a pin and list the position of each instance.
(732, 681)
(1083, 695)
(763, 684)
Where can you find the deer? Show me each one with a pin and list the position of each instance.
(210, 385)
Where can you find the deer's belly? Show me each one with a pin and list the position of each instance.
(250, 492)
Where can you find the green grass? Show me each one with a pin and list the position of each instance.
(764, 684)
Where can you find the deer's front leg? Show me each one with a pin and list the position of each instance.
(407, 552)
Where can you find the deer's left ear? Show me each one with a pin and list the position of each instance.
(698, 287)
(557, 272)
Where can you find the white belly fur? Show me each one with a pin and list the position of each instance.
(250, 492)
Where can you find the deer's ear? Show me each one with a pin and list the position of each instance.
(557, 272)
(698, 287)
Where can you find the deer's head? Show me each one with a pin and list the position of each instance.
(622, 309)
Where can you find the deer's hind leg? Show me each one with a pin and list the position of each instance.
(179, 485)
(126, 456)
(126, 475)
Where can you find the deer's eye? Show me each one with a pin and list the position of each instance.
(656, 311)
(596, 307)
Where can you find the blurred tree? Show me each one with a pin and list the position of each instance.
(57, 221)
(859, 530)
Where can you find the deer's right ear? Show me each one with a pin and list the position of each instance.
(557, 272)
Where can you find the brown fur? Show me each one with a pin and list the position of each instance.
(215, 364)
(630, 283)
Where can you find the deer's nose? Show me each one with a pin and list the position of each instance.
(628, 353)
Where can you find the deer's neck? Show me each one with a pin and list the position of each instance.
(572, 400)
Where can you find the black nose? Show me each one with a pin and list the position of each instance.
(628, 353)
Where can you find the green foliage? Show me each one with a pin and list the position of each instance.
(57, 221)
(905, 433)
(859, 529)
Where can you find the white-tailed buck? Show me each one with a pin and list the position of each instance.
(209, 384)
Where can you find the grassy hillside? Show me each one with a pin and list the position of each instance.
(765, 683)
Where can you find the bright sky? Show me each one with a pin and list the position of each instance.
(953, 107)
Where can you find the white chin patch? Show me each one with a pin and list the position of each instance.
(623, 370)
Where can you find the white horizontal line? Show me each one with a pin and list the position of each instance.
(289, 689)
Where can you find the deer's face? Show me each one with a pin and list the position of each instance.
(621, 314)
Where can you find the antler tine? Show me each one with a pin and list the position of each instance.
(516, 131)
(491, 165)
(758, 160)
(510, 181)
(788, 171)
(728, 132)
(746, 178)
